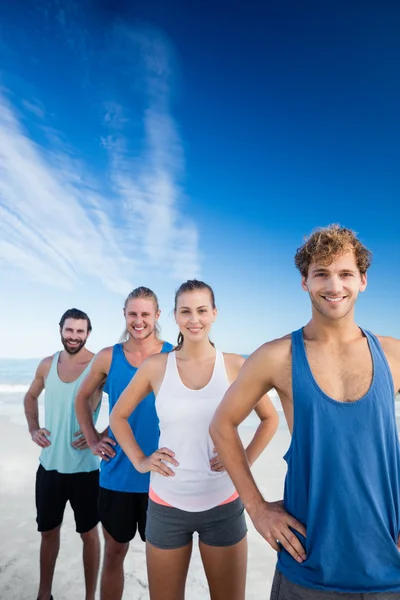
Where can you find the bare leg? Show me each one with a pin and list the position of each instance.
(167, 572)
(48, 556)
(112, 577)
(91, 560)
(225, 568)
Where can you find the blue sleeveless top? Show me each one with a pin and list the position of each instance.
(343, 482)
(118, 473)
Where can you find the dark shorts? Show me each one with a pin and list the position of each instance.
(54, 490)
(169, 527)
(283, 589)
(122, 513)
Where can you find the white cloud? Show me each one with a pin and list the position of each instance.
(58, 228)
(35, 107)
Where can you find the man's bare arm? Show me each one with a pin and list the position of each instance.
(269, 421)
(79, 442)
(85, 401)
(39, 435)
(255, 379)
(265, 411)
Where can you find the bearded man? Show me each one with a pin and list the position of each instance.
(68, 471)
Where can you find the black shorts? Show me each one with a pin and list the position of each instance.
(54, 490)
(122, 513)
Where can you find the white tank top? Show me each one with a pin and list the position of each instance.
(185, 417)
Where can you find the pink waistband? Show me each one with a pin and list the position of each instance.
(153, 496)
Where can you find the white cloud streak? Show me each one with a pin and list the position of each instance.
(55, 225)
(35, 108)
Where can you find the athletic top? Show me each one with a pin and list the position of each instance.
(118, 473)
(343, 482)
(61, 421)
(185, 417)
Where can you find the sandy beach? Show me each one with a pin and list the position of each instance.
(19, 551)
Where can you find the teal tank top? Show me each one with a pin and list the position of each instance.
(61, 421)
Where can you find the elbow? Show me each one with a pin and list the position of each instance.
(270, 423)
(78, 404)
(112, 420)
(274, 422)
(28, 398)
(219, 427)
(80, 415)
(115, 420)
(214, 428)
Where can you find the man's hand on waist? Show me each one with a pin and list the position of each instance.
(275, 524)
(39, 437)
(103, 446)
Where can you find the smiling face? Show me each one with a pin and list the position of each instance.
(74, 334)
(334, 288)
(195, 314)
(141, 316)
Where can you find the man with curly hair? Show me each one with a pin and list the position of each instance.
(337, 530)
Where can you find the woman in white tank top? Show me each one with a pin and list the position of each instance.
(190, 489)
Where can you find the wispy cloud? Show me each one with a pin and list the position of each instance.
(35, 107)
(56, 225)
(150, 187)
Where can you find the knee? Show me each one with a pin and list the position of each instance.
(51, 535)
(114, 552)
(90, 537)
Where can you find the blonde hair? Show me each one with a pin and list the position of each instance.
(148, 294)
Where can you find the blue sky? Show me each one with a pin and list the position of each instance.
(143, 143)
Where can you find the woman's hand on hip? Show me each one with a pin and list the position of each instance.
(156, 462)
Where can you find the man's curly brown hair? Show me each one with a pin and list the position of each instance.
(326, 244)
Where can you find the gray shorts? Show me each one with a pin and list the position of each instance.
(168, 527)
(283, 589)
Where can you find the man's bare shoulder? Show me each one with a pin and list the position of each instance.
(106, 352)
(277, 349)
(270, 362)
(47, 360)
(45, 364)
(390, 345)
(102, 360)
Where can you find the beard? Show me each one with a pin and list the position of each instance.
(74, 349)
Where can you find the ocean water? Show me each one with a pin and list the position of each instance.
(16, 376)
(15, 379)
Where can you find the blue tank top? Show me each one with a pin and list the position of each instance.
(118, 473)
(343, 482)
